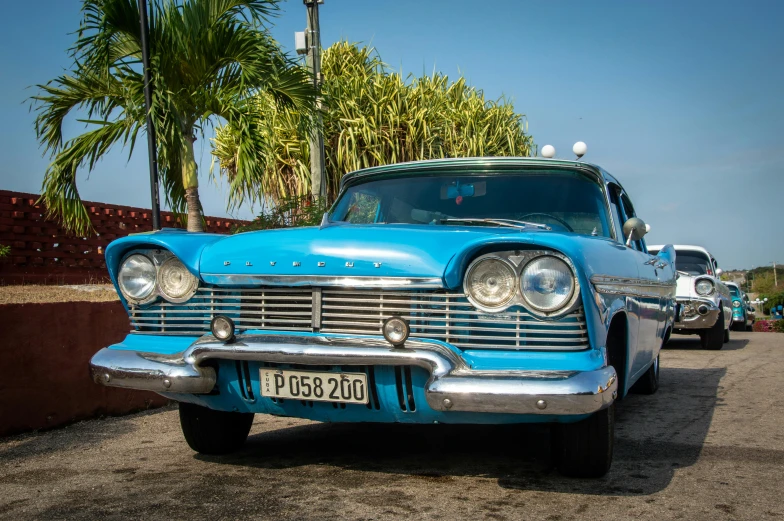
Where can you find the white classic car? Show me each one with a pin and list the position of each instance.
(703, 302)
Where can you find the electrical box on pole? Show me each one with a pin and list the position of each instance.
(300, 42)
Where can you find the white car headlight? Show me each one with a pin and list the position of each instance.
(704, 287)
(490, 283)
(736, 303)
(175, 282)
(547, 283)
(136, 277)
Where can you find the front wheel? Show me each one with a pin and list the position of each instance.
(584, 449)
(713, 337)
(649, 382)
(208, 431)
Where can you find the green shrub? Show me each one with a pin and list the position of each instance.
(4, 250)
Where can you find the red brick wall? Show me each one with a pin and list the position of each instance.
(46, 352)
(42, 252)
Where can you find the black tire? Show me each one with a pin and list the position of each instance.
(649, 382)
(727, 335)
(584, 449)
(214, 432)
(713, 338)
(750, 328)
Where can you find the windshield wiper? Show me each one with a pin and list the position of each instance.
(509, 223)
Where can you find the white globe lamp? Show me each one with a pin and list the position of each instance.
(548, 151)
(580, 149)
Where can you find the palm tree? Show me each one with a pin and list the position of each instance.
(209, 58)
(372, 116)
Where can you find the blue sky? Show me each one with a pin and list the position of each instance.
(682, 101)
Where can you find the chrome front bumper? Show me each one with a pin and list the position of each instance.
(452, 386)
(696, 320)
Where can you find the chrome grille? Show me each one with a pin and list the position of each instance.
(451, 318)
(436, 315)
(289, 309)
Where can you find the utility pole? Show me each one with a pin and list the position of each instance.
(313, 39)
(775, 279)
(152, 147)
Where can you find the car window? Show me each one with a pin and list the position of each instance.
(363, 208)
(628, 212)
(615, 205)
(734, 291)
(692, 262)
(566, 201)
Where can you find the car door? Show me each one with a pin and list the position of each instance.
(648, 299)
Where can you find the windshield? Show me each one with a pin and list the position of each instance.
(563, 200)
(692, 262)
(734, 291)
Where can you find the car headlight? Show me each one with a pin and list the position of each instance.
(547, 283)
(175, 282)
(704, 287)
(736, 303)
(490, 283)
(136, 277)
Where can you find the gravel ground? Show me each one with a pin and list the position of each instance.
(708, 445)
(29, 294)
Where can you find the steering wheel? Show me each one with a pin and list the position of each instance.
(553, 217)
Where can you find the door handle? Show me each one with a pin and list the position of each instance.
(650, 262)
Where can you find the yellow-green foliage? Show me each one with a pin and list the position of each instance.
(373, 116)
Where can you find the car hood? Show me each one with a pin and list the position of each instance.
(384, 250)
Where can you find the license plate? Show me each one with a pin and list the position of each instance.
(315, 386)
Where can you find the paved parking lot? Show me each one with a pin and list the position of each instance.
(708, 445)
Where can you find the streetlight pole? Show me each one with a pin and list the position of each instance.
(775, 279)
(152, 149)
(313, 39)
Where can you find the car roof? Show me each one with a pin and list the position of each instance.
(429, 165)
(683, 247)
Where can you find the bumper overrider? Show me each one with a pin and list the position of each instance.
(452, 385)
(696, 313)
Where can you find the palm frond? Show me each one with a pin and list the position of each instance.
(208, 59)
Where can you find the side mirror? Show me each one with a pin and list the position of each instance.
(633, 230)
(719, 271)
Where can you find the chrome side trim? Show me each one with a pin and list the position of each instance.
(610, 285)
(324, 281)
(452, 386)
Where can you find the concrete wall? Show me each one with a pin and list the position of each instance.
(44, 374)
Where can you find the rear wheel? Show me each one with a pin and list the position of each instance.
(584, 449)
(649, 382)
(208, 431)
(713, 337)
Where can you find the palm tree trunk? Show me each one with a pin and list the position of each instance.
(190, 180)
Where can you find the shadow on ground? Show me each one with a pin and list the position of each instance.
(693, 342)
(655, 435)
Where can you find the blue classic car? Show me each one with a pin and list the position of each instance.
(490, 290)
(742, 315)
